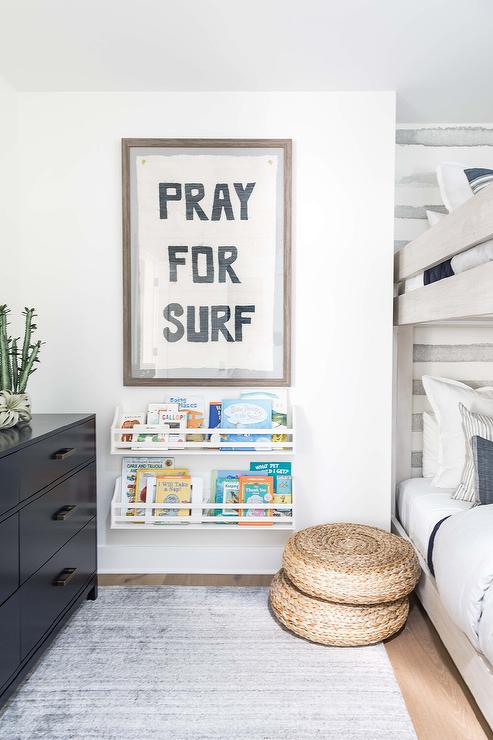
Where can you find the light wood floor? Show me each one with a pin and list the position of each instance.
(440, 705)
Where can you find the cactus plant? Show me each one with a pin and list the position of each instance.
(16, 366)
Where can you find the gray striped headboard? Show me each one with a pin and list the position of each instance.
(460, 352)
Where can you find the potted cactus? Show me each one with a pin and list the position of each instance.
(16, 366)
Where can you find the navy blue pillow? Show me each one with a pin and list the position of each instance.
(482, 450)
(479, 178)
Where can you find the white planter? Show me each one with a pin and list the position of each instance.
(14, 408)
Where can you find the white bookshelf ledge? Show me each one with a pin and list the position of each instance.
(139, 516)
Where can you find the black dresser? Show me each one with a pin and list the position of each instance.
(47, 534)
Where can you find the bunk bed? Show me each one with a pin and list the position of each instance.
(418, 508)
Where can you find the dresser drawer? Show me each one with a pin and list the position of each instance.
(9, 557)
(10, 639)
(9, 482)
(50, 521)
(44, 462)
(43, 596)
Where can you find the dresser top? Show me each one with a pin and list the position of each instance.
(41, 425)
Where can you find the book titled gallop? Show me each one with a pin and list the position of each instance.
(256, 490)
(243, 413)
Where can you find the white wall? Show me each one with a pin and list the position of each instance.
(9, 278)
(70, 200)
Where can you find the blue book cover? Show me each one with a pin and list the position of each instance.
(271, 468)
(240, 413)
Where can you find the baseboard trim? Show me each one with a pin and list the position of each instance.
(138, 560)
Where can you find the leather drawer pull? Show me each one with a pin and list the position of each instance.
(64, 513)
(64, 578)
(64, 453)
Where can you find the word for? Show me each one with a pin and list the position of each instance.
(225, 258)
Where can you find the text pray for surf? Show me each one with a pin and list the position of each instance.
(213, 321)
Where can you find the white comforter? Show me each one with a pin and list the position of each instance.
(463, 562)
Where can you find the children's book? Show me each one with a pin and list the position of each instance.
(173, 490)
(256, 490)
(129, 421)
(271, 468)
(193, 406)
(283, 494)
(130, 468)
(229, 494)
(154, 409)
(279, 399)
(176, 420)
(218, 478)
(146, 482)
(215, 409)
(246, 414)
(281, 473)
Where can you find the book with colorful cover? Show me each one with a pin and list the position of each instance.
(130, 468)
(154, 409)
(283, 494)
(146, 481)
(129, 421)
(173, 490)
(218, 479)
(174, 420)
(229, 494)
(281, 473)
(193, 406)
(271, 468)
(240, 413)
(257, 489)
(279, 399)
(215, 413)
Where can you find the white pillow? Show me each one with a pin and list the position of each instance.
(430, 445)
(473, 425)
(454, 185)
(444, 396)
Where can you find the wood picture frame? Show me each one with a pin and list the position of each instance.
(177, 201)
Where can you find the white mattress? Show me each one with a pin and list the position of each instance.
(420, 506)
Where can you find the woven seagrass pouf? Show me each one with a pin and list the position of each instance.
(329, 623)
(351, 564)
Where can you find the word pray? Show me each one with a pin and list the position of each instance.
(194, 193)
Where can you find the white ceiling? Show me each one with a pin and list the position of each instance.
(437, 54)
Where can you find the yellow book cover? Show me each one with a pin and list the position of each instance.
(173, 490)
(142, 480)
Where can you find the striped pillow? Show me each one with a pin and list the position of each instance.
(474, 425)
(479, 178)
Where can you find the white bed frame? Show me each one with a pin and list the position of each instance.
(461, 297)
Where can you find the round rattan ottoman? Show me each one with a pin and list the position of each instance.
(351, 564)
(329, 623)
(344, 584)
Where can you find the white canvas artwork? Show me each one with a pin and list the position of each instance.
(208, 262)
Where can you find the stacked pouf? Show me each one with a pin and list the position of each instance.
(344, 584)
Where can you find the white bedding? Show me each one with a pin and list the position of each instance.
(420, 506)
(473, 257)
(463, 561)
(462, 554)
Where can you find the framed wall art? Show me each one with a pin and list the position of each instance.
(206, 261)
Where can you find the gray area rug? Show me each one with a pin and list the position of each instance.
(175, 663)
